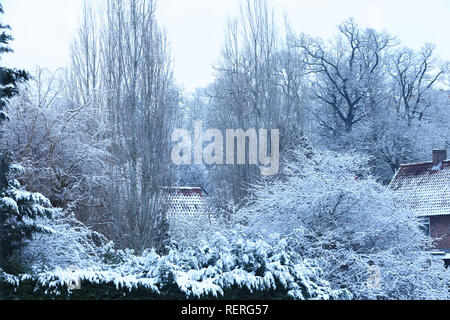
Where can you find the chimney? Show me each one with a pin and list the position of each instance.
(438, 156)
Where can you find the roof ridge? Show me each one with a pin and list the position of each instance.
(423, 163)
(416, 164)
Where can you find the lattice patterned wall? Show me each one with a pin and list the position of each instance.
(185, 201)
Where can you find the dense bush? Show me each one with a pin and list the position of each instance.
(331, 209)
(22, 215)
(221, 269)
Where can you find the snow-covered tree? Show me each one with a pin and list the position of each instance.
(121, 62)
(20, 215)
(389, 139)
(414, 75)
(333, 210)
(347, 74)
(61, 146)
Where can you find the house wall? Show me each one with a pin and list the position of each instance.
(440, 228)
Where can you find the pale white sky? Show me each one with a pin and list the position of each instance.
(43, 28)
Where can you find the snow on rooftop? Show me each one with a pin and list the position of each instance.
(424, 188)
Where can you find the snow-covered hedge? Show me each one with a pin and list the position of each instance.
(236, 269)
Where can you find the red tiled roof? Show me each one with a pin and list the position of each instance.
(424, 188)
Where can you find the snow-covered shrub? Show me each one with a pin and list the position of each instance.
(219, 269)
(34, 235)
(61, 145)
(70, 244)
(332, 210)
(22, 214)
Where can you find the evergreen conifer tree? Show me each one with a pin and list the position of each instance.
(9, 78)
(20, 211)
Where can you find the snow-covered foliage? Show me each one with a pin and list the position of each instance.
(211, 269)
(190, 228)
(95, 141)
(59, 146)
(330, 209)
(70, 244)
(390, 140)
(22, 213)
